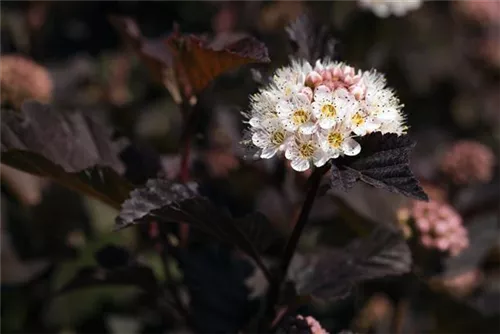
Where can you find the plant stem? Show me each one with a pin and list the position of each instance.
(170, 282)
(189, 125)
(274, 291)
(189, 116)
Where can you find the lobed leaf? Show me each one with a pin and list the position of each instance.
(188, 63)
(334, 271)
(164, 201)
(383, 163)
(72, 149)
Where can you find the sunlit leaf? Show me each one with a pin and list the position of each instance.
(188, 63)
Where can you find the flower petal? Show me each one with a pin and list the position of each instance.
(316, 109)
(308, 128)
(291, 152)
(260, 139)
(300, 165)
(322, 93)
(351, 147)
(268, 152)
(320, 158)
(327, 122)
(254, 122)
(283, 109)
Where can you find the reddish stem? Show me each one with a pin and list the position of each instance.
(184, 175)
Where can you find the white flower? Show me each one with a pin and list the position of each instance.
(296, 114)
(338, 141)
(313, 114)
(270, 137)
(302, 150)
(289, 81)
(263, 107)
(384, 8)
(362, 123)
(381, 105)
(331, 107)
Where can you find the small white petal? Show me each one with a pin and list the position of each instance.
(334, 155)
(322, 93)
(327, 122)
(268, 152)
(283, 109)
(316, 109)
(291, 153)
(254, 122)
(371, 126)
(351, 147)
(289, 125)
(320, 158)
(360, 130)
(300, 165)
(308, 128)
(260, 139)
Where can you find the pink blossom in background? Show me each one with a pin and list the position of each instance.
(440, 227)
(314, 325)
(468, 162)
(489, 48)
(484, 11)
(464, 283)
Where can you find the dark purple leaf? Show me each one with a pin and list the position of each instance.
(382, 163)
(164, 201)
(193, 61)
(73, 149)
(335, 271)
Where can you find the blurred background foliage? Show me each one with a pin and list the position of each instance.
(443, 59)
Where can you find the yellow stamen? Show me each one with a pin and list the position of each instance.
(306, 150)
(299, 117)
(328, 110)
(278, 137)
(335, 139)
(358, 119)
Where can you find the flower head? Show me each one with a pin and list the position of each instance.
(468, 162)
(23, 79)
(313, 114)
(384, 8)
(440, 227)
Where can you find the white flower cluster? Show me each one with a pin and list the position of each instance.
(314, 114)
(384, 8)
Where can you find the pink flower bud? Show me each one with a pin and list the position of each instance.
(358, 91)
(313, 79)
(348, 71)
(326, 75)
(336, 72)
